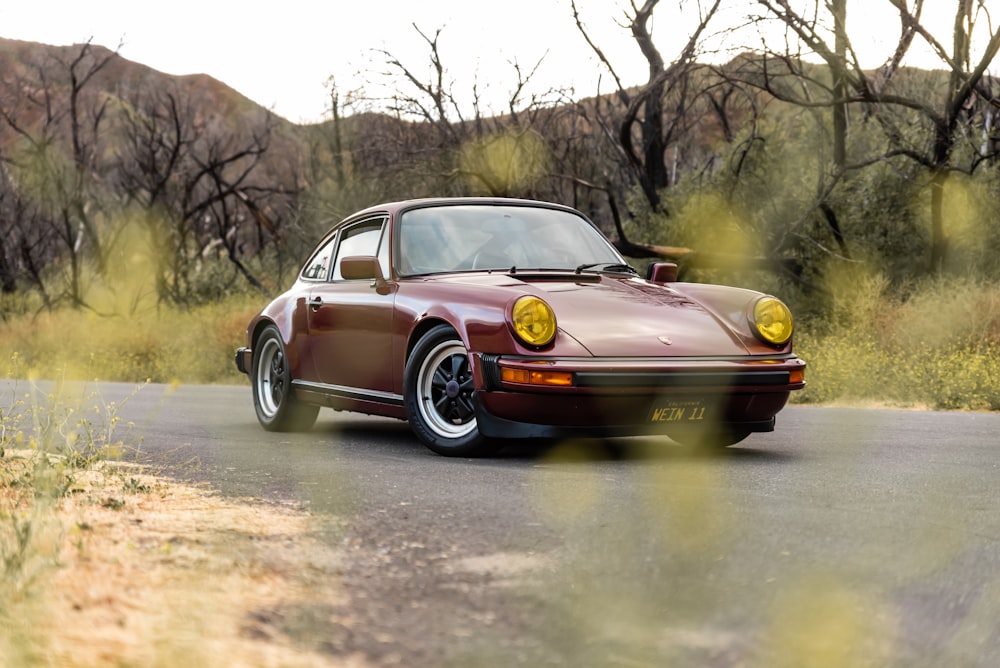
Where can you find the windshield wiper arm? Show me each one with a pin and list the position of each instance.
(614, 267)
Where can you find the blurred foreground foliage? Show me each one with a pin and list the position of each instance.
(49, 440)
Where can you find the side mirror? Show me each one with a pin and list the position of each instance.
(358, 267)
(662, 272)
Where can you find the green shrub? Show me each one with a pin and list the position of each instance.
(936, 346)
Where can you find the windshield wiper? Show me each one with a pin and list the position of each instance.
(614, 267)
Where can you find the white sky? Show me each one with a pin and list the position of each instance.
(280, 54)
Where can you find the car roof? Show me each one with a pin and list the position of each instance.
(402, 205)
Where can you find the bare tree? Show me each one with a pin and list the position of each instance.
(157, 131)
(59, 126)
(657, 130)
(202, 188)
(648, 127)
(945, 117)
(466, 147)
(225, 198)
(25, 241)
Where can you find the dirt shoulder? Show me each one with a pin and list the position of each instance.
(130, 569)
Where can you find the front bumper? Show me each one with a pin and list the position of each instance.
(628, 375)
(244, 360)
(491, 426)
(631, 396)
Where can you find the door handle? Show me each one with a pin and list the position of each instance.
(315, 303)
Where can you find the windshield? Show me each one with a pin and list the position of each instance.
(474, 237)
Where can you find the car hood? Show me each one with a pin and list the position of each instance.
(614, 316)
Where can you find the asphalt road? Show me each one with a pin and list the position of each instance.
(845, 538)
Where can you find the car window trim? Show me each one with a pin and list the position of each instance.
(381, 218)
(332, 239)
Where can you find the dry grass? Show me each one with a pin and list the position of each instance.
(193, 345)
(132, 570)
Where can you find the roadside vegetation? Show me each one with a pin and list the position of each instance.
(935, 346)
(105, 563)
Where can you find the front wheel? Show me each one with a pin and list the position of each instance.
(278, 409)
(439, 390)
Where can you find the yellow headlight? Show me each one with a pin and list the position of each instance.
(534, 321)
(772, 321)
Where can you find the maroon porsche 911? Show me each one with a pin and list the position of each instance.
(483, 320)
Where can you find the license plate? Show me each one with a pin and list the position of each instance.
(678, 412)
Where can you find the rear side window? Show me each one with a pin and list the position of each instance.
(319, 264)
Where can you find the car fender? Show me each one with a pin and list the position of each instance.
(288, 315)
(730, 305)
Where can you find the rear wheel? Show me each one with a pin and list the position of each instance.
(439, 390)
(277, 407)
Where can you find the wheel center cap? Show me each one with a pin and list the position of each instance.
(452, 389)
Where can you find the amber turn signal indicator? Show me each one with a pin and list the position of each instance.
(525, 377)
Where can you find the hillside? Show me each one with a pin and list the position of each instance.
(31, 65)
(37, 81)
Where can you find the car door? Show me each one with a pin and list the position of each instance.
(350, 321)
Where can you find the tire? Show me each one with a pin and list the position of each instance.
(277, 407)
(439, 396)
